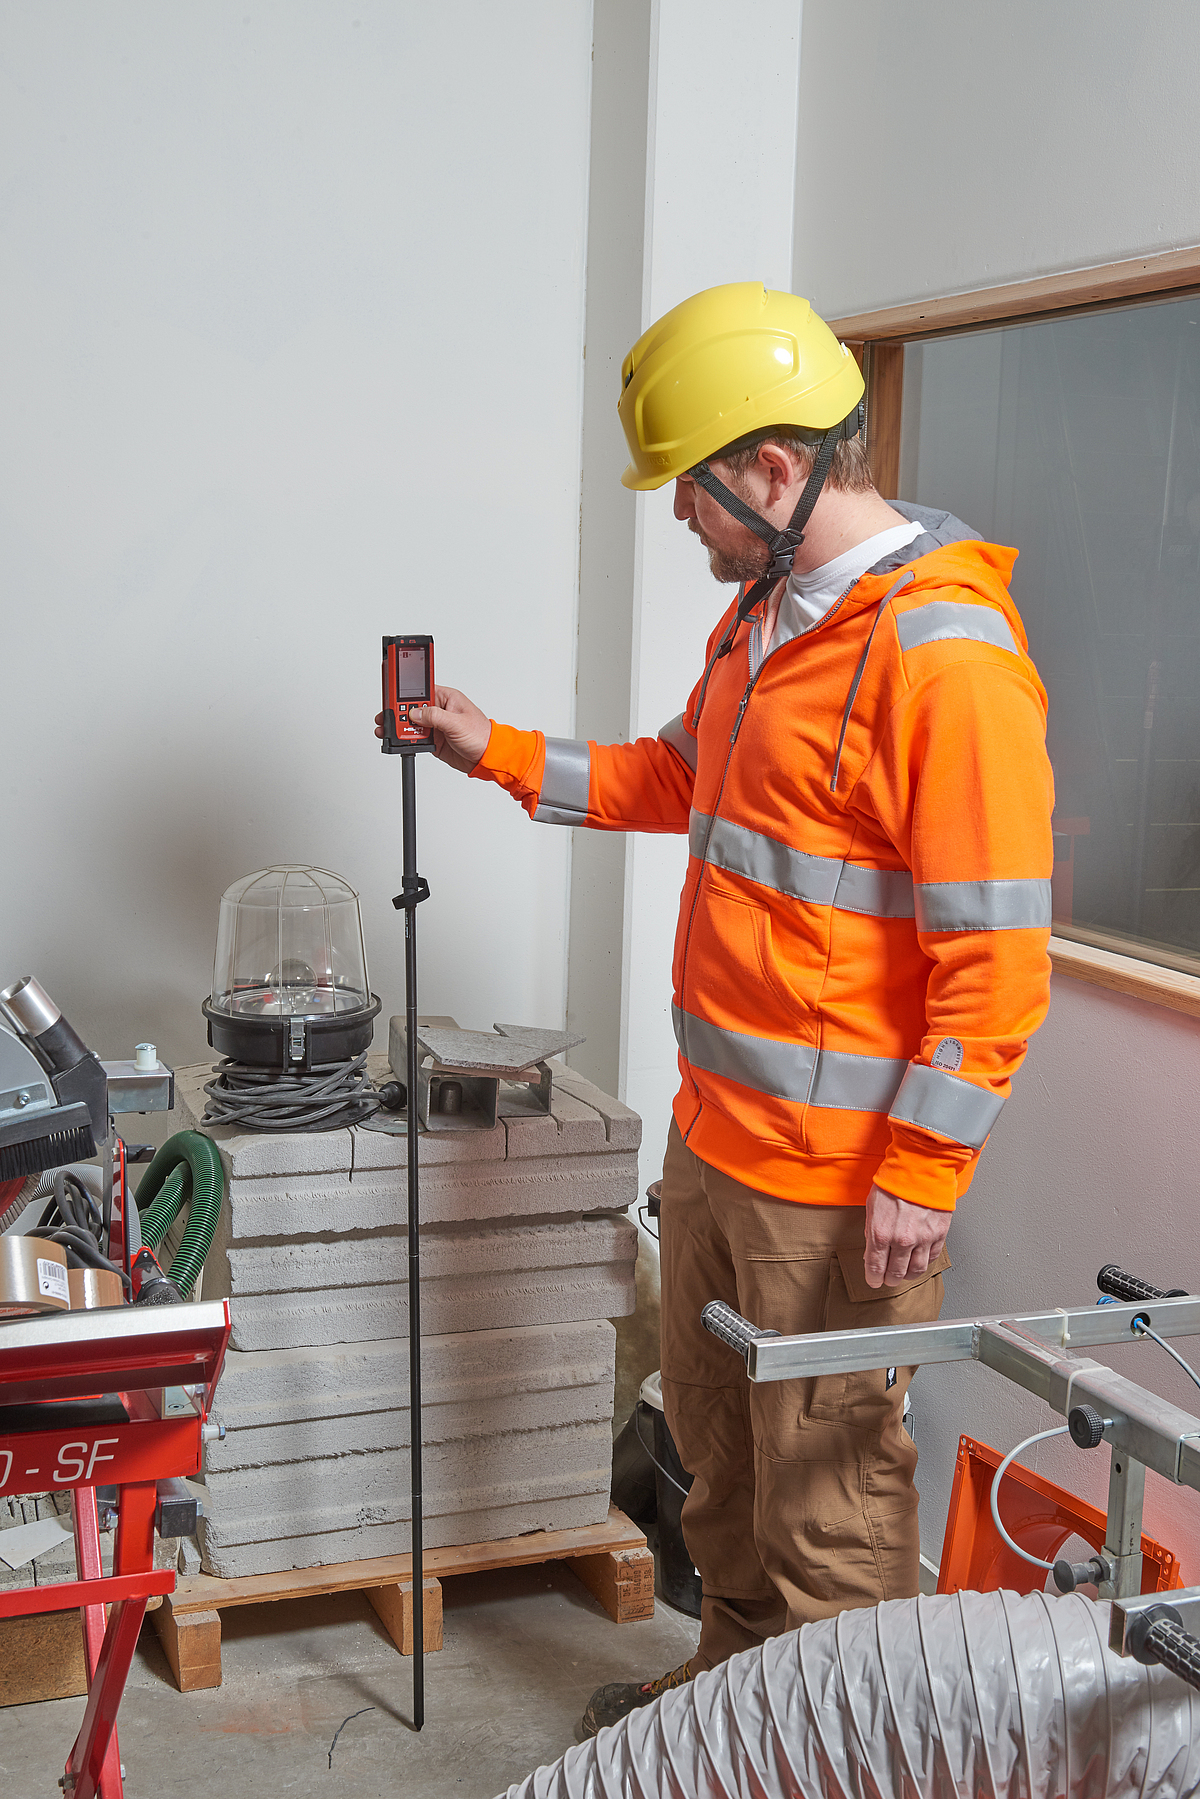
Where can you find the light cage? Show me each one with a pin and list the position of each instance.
(290, 985)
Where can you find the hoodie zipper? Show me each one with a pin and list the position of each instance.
(743, 703)
(712, 817)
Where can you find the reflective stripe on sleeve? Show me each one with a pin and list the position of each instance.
(564, 796)
(819, 880)
(983, 905)
(936, 1101)
(940, 620)
(680, 740)
(830, 1079)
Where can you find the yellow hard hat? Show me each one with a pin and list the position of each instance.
(719, 367)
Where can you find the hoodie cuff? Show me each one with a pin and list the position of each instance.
(514, 760)
(925, 1171)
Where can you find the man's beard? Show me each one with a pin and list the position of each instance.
(734, 565)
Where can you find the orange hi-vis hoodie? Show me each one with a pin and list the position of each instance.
(861, 953)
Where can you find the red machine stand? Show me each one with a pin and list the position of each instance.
(81, 1406)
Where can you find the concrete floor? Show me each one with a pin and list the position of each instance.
(524, 1649)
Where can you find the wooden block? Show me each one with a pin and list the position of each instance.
(622, 1580)
(395, 1608)
(192, 1645)
(41, 1658)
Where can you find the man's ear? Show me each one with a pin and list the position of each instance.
(783, 469)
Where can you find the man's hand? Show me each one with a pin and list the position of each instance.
(460, 729)
(902, 1239)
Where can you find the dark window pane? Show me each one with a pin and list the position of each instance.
(1078, 441)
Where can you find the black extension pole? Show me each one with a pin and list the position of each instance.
(414, 891)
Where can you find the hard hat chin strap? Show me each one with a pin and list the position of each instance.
(782, 544)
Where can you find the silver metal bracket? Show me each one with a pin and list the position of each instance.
(134, 1089)
(1123, 1537)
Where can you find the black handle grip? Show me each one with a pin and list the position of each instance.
(1118, 1285)
(1173, 1646)
(731, 1327)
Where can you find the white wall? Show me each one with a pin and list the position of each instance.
(291, 299)
(943, 148)
(946, 144)
(719, 203)
(607, 513)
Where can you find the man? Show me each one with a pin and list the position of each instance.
(862, 944)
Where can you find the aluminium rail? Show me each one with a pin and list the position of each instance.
(1040, 1352)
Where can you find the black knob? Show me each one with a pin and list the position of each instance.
(1086, 1426)
(1069, 1575)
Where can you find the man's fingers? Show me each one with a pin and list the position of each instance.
(898, 1268)
(902, 1240)
(875, 1262)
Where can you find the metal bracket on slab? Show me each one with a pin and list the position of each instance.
(459, 1073)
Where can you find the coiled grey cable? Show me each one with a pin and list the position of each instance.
(262, 1099)
(79, 1229)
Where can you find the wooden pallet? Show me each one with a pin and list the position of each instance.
(611, 1559)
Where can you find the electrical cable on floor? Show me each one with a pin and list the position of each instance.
(1040, 1436)
(1143, 1330)
(337, 1733)
(261, 1099)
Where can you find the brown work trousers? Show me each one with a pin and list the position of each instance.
(802, 1501)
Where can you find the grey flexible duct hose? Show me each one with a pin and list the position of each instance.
(187, 1165)
(962, 1694)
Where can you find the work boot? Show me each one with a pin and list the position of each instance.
(608, 1705)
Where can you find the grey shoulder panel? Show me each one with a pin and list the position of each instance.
(938, 529)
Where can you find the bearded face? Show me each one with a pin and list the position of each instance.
(743, 561)
(734, 553)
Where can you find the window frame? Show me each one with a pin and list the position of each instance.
(878, 339)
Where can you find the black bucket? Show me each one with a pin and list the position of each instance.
(633, 1479)
(677, 1576)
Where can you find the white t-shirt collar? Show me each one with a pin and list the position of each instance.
(808, 597)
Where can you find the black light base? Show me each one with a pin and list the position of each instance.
(292, 1044)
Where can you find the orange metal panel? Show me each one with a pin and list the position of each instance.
(1037, 1514)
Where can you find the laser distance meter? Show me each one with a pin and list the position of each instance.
(407, 685)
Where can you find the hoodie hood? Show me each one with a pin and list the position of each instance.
(946, 554)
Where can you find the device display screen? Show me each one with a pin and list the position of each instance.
(410, 675)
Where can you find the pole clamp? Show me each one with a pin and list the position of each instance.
(415, 888)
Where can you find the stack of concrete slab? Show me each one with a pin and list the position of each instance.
(525, 1256)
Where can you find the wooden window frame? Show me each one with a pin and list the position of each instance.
(878, 340)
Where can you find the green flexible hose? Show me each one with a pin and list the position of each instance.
(187, 1167)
